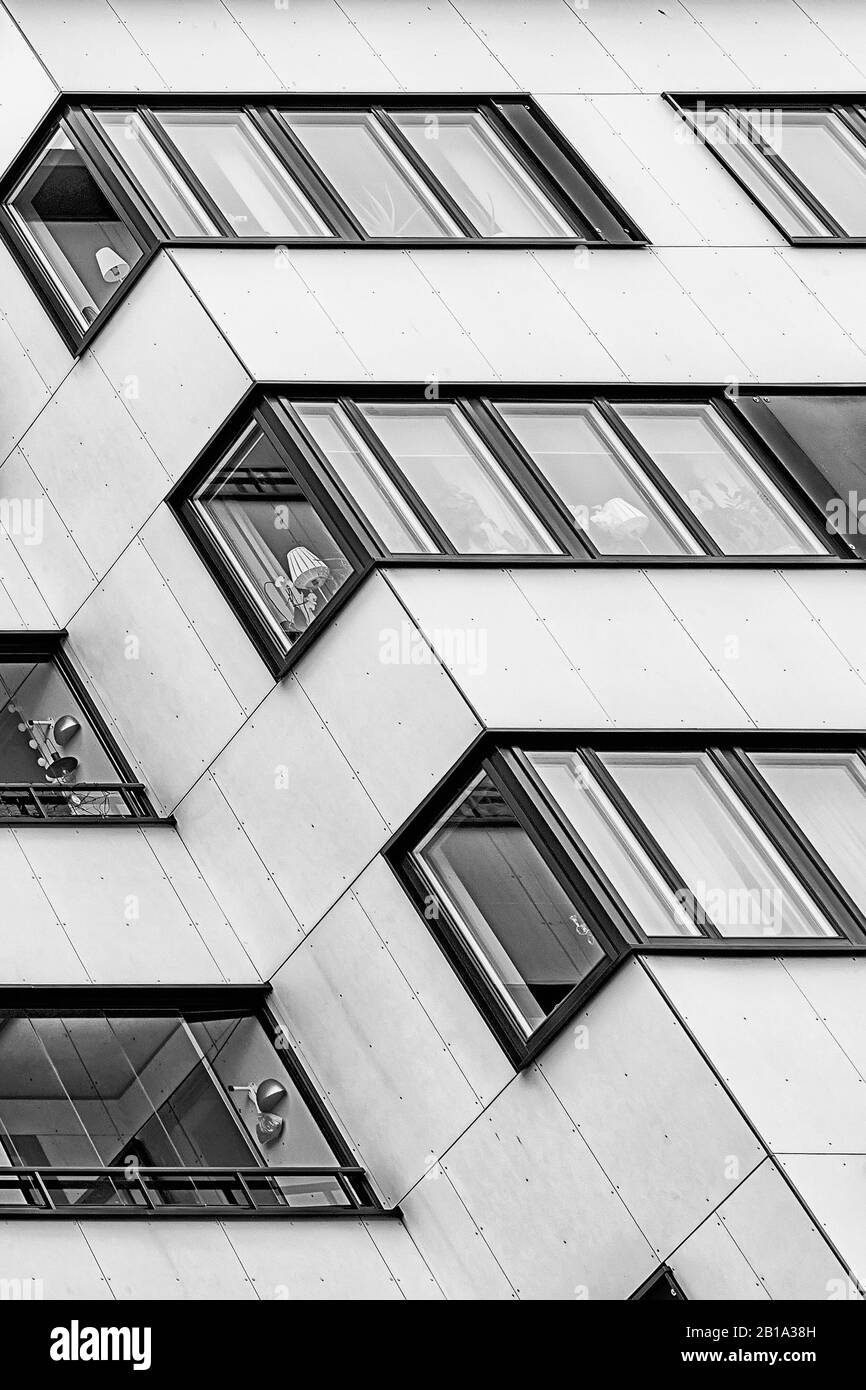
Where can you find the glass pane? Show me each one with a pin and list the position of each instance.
(825, 794)
(247, 183)
(613, 505)
(464, 488)
(286, 558)
(155, 175)
(528, 936)
(612, 845)
(728, 136)
(73, 228)
(482, 175)
(363, 478)
(831, 431)
(728, 865)
(719, 480)
(371, 175)
(825, 156)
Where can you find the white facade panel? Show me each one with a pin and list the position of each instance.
(170, 366)
(168, 1260)
(55, 1252)
(548, 1211)
(662, 47)
(844, 25)
(312, 46)
(44, 544)
(404, 1260)
(32, 327)
(769, 650)
(446, 1234)
(710, 1265)
(388, 679)
(545, 47)
(363, 1033)
(653, 1114)
(781, 1062)
(27, 607)
(260, 916)
(27, 89)
(837, 279)
(196, 47)
(833, 1187)
(329, 1260)
(307, 814)
(834, 988)
(428, 46)
(776, 44)
(30, 931)
(85, 46)
(24, 391)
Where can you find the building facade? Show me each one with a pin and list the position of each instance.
(432, 803)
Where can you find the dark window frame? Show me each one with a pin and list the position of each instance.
(49, 647)
(502, 755)
(195, 1002)
(660, 1287)
(544, 153)
(839, 103)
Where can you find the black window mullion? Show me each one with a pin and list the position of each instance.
(288, 151)
(519, 464)
(187, 175)
(648, 843)
(345, 221)
(90, 132)
(105, 171)
(425, 173)
(747, 131)
(791, 843)
(648, 465)
(397, 477)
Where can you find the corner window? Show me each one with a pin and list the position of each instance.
(157, 1110)
(803, 161)
(56, 760)
(111, 181)
(549, 864)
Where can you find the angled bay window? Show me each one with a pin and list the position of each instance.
(539, 867)
(109, 181)
(802, 159)
(57, 762)
(159, 1106)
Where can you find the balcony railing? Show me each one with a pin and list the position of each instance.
(93, 800)
(97, 1191)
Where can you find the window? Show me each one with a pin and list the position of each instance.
(56, 760)
(162, 1108)
(803, 160)
(661, 1287)
(112, 181)
(541, 867)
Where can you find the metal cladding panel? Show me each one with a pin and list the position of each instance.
(647, 323)
(844, 25)
(24, 392)
(85, 46)
(662, 46)
(776, 45)
(168, 1260)
(26, 606)
(524, 678)
(95, 464)
(329, 1260)
(427, 45)
(23, 313)
(44, 545)
(833, 1186)
(448, 1237)
(311, 45)
(433, 980)
(766, 313)
(544, 46)
(782, 1244)
(205, 606)
(513, 311)
(386, 310)
(31, 934)
(170, 365)
(548, 1211)
(767, 647)
(710, 1265)
(175, 713)
(260, 916)
(835, 601)
(399, 1093)
(195, 47)
(658, 168)
(629, 649)
(126, 921)
(306, 813)
(389, 680)
(55, 1252)
(27, 89)
(658, 1121)
(835, 990)
(783, 1065)
(274, 323)
(404, 1260)
(837, 279)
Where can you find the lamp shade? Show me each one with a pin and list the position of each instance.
(306, 570)
(269, 1093)
(112, 267)
(59, 768)
(65, 728)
